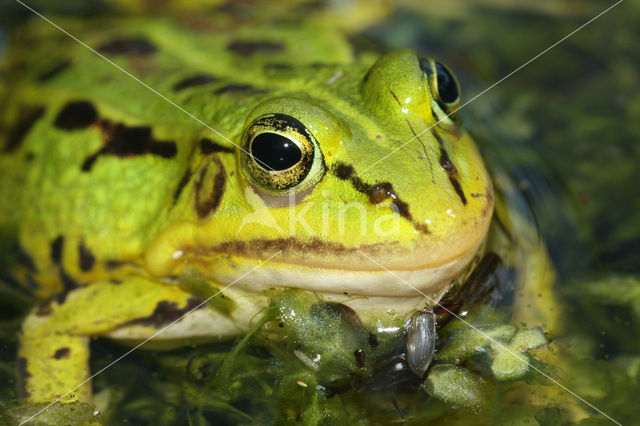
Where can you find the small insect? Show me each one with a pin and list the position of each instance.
(421, 341)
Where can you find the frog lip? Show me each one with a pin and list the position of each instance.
(324, 255)
(371, 276)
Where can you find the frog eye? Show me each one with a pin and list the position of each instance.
(443, 85)
(280, 153)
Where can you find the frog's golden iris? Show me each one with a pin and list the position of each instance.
(279, 153)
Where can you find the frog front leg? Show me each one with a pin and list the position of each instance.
(53, 356)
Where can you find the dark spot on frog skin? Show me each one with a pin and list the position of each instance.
(207, 146)
(249, 47)
(89, 161)
(124, 141)
(476, 195)
(128, 46)
(113, 264)
(343, 171)
(359, 355)
(55, 249)
(377, 192)
(86, 259)
(55, 70)
(44, 310)
(76, 115)
(27, 117)
(62, 353)
(207, 203)
(163, 149)
(67, 282)
(45, 307)
(196, 80)
(450, 168)
(23, 258)
(237, 88)
(167, 312)
(23, 375)
(183, 182)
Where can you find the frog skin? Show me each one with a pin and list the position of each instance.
(111, 194)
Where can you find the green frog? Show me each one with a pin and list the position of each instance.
(167, 183)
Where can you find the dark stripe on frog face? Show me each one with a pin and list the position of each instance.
(207, 203)
(62, 353)
(86, 259)
(166, 312)
(56, 249)
(450, 168)
(27, 117)
(249, 47)
(183, 182)
(128, 46)
(258, 247)
(207, 146)
(196, 80)
(76, 115)
(123, 141)
(377, 192)
(55, 70)
(23, 375)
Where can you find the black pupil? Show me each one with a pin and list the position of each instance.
(447, 88)
(275, 152)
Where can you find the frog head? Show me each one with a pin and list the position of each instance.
(368, 165)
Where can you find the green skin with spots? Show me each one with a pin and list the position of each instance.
(109, 192)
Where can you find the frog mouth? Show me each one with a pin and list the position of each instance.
(377, 270)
